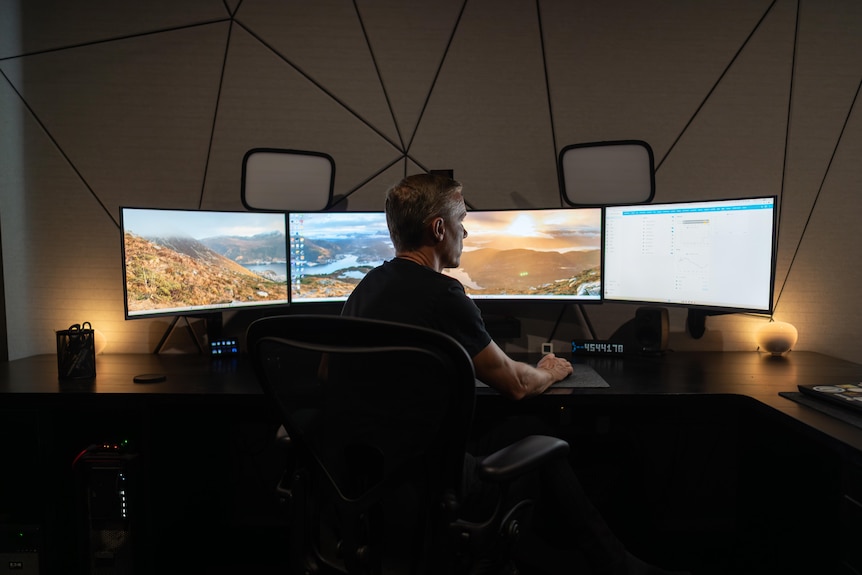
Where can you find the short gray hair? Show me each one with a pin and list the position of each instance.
(414, 202)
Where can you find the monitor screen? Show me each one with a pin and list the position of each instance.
(532, 254)
(714, 255)
(330, 252)
(188, 262)
(508, 254)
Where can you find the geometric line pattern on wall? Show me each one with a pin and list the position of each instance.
(156, 104)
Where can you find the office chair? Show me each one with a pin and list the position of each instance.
(378, 416)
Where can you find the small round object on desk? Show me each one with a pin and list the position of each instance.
(150, 378)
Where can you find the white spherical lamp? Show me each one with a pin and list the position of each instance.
(777, 337)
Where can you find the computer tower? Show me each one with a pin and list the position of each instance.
(19, 549)
(107, 509)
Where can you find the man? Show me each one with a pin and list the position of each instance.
(425, 214)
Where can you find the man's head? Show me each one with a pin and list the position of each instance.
(427, 210)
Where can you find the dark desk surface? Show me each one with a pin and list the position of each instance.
(186, 375)
(748, 376)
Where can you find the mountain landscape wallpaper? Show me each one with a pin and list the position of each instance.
(535, 253)
(167, 270)
(532, 254)
(332, 252)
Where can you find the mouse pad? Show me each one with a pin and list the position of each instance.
(582, 376)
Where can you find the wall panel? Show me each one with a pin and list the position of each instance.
(155, 104)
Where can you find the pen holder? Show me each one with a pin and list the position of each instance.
(76, 352)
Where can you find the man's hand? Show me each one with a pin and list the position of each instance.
(560, 368)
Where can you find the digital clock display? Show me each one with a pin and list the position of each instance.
(597, 347)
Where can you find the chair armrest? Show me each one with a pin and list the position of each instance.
(523, 456)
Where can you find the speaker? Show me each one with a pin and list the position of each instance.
(651, 329)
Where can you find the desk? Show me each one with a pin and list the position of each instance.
(187, 375)
(705, 429)
(748, 375)
(699, 445)
(206, 459)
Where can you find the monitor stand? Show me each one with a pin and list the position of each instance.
(586, 318)
(583, 313)
(695, 321)
(213, 322)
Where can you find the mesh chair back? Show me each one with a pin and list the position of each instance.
(380, 412)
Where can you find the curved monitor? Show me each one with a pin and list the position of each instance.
(330, 252)
(196, 262)
(533, 254)
(716, 255)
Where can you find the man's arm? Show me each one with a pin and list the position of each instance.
(515, 379)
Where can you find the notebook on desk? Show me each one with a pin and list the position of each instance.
(582, 376)
(849, 395)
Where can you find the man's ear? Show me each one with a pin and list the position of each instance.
(438, 229)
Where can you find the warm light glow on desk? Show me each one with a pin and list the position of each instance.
(777, 337)
(100, 341)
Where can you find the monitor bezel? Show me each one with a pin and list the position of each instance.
(208, 311)
(698, 309)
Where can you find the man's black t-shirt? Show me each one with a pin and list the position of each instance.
(403, 291)
(406, 292)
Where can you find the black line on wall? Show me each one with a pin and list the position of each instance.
(318, 85)
(215, 114)
(556, 152)
(379, 75)
(59, 148)
(715, 85)
(428, 169)
(820, 188)
(407, 156)
(787, 136)
(548, 95)
(364, 182)
(436, 75)
(115, 39)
